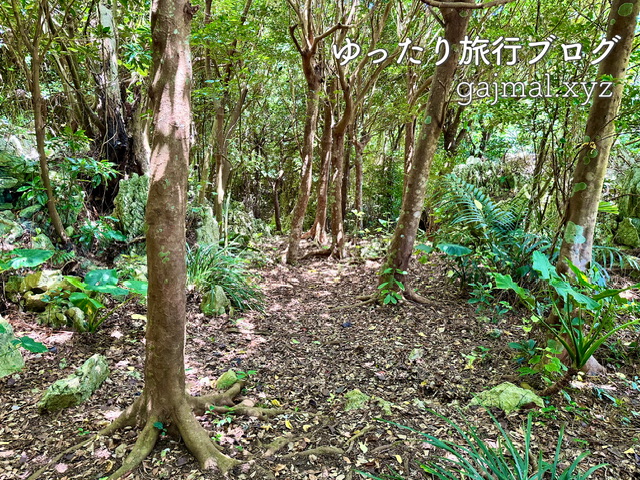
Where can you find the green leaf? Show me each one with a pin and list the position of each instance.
(30, 344)
(424, 248)
(136, 286)
(542, 265)
(454, 250)
(95, 278)
(28, 258)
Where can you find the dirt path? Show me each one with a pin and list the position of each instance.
(307, 357)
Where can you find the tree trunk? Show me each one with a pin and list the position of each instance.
(163, 400)
(401, 248)
(39, 111)
(140, 133)
(115, 141)
(359, 147)
(318, 230)
(591, 167)
(313, 76)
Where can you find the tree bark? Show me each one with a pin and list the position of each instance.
(318, 230)
(593, 159)
(402, 242)
(39, 112)
(163, 400)
(591, 167)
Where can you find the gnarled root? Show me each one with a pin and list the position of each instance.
(143, 446)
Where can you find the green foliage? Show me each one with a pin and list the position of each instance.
(476, 459)
(492, 235)
(91, 294)
(209, 266)
(99, 234)
(392, 288)
(23, 258)
(26, 342)
(586, 312)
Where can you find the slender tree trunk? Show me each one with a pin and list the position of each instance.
(402, 242)
(140, 133)
(39, 112)
(346, 174)
(276, 201)
(591, 167)
(318, 230)
(359, 148)
(311, 121)
(337, 220)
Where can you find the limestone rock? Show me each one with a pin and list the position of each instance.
(215, 302)
(628, 233)
(130, 205)
(76, 388)
(208, 233)
(11, 360)
(507, 397)
(10, 229)
(42, 242)
(226, 380)
(355, 400)
(53, 316)
(629, 203)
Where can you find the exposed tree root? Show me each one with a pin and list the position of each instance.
(36, 475)
(143, 446)
(324, 450)
(412, 296)
(195, 437)
(364, 301)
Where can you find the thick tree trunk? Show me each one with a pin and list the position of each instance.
(318, 230)
(591, 167)
(163, 399)
(401, 247)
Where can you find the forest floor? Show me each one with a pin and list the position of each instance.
(307, 355)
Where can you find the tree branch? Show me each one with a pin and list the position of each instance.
(466, 5)
(339, 26)
(292, 29)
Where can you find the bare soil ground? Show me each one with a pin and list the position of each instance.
(307, 356)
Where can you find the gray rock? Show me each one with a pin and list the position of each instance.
(507, 397)
(10, 229)
(208, 233)
(11, 360)
(130, 205)
(215, 302)
(76, 388)
(629, 204)
(628, 233)
(42, 242)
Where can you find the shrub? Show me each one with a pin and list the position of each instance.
(209, 266)
(476, 459)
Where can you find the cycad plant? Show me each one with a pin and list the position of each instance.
(493, 232)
